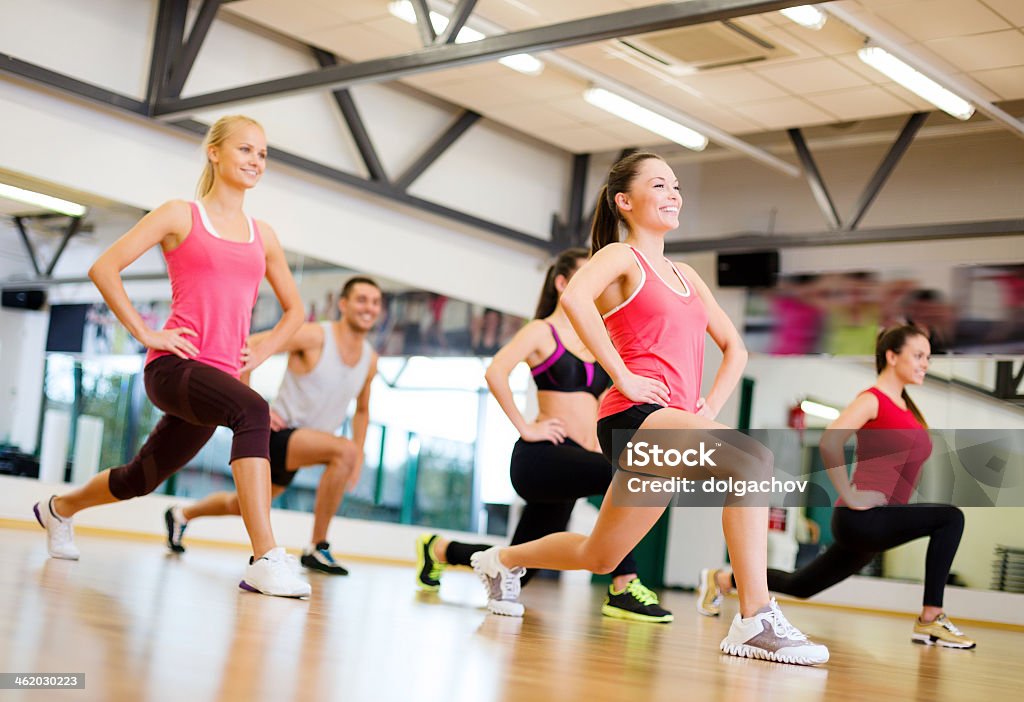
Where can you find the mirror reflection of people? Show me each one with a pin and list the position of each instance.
(486, 333)
(216, 257)
(557, 458)
(872, 514)
(645, 319)
(329, 364)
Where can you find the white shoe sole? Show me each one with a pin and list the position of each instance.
(505, 609)
(745, 651)
(298, 594)
(929, 640)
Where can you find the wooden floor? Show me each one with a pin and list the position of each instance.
(146, 625)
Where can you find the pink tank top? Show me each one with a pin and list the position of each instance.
(659, 334)
(214, 285)
(891, 448)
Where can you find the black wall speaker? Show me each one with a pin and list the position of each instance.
(758, 269)
(23, 298)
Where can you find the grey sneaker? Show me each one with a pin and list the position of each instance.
(502, 583)
(769, 636)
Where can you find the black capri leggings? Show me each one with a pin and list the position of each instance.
(196, 399)
(550, 477)
(861, 534)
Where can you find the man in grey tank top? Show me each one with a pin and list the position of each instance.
(329, 364)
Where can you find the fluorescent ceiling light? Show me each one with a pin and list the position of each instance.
(642, 117)
(523, 63)
(819, 410)
(54, 204)
(806, 16)
(916, 82)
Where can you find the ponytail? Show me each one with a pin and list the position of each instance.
(605, 229)
(913, 409)
(564, 265)
(607, 220)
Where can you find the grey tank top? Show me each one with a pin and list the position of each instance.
(320, 399)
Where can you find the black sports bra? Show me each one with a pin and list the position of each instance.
(564, 371)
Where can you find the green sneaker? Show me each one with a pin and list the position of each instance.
(635, 603)
(428, 568)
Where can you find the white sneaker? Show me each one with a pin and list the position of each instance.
(769, 636)
(502, 583)
(275, 573)
(60, 532)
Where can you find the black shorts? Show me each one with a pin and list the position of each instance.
(279, 473)
(628, 420)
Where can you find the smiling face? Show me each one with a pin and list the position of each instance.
(241, 158)
(653, 201)
(361, 307)
(911, 362)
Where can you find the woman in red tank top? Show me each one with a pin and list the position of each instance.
(645, 320)
(872, 514)
(216, 257)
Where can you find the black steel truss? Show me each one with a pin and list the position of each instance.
(437, 56)
(74, 224)
(871, 190)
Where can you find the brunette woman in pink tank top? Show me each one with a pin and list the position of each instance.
(645, 320)
(872, 514)
(216, 257)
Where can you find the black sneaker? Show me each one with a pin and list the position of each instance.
(319, 558)
(635, 603)
(175, 530)
(428, 568)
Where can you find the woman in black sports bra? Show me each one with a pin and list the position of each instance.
(557, 459)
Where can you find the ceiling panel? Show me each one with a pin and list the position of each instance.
(813, 76)
(1011, 10)
(982, 51)
(733, 85)
(860, 103)
(1007, 83)
(784, 113)
(943, 18)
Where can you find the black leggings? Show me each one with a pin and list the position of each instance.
(550, 477)
(860, 535)
(196, 399)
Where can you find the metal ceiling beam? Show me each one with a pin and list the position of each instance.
(167, 36)
(426, 28)
(185, 56)
(386, 191)
(356, 126)
(759, 241)
(73, 226)
(456, 21)
(438, 57)
(52, 79)
(814, 179)
(434, 151)
(886, 167)
(20, 224)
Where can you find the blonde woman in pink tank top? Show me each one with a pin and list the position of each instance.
(216, 258)
(645, 320)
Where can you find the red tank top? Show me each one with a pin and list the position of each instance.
(659, 334)
(891, 448)
(214, 285)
